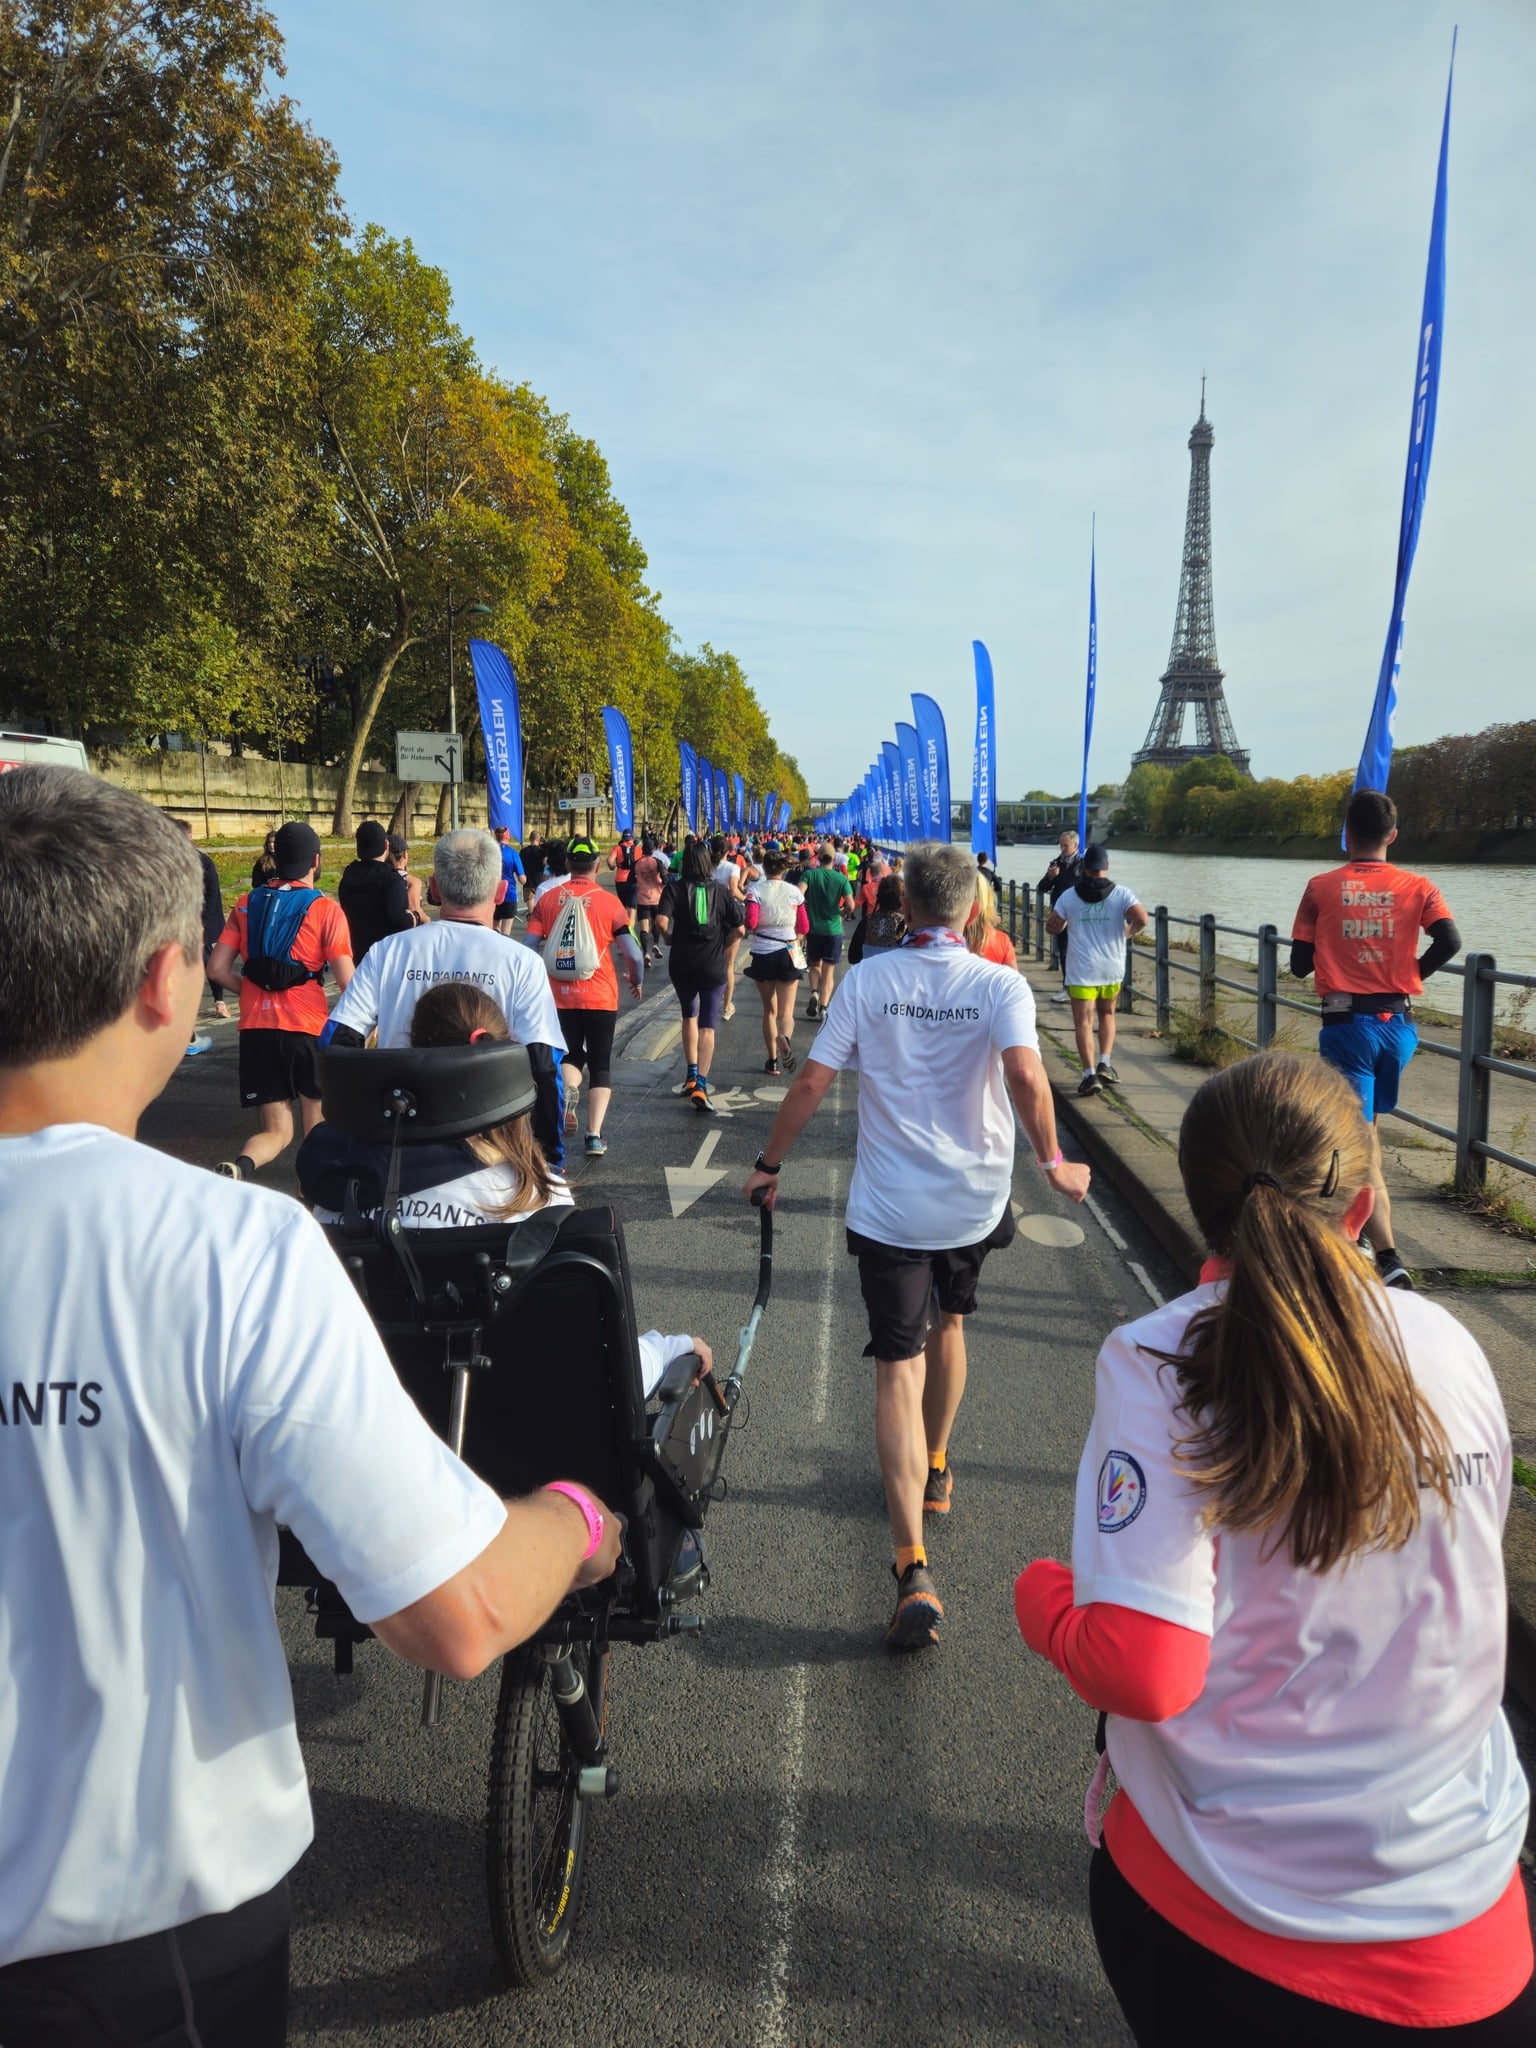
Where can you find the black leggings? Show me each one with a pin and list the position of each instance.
(222, 1981)
(1176, 1994)
(589, 1043)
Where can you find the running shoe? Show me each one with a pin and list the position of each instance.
(1090, 1084)
(698, 1095)
(812, 1010)
(787, 1058)
(937, 1492)
(596, 1146)
(770, 1067)
(200, 1043)
(572, 1098)
(727, 1013)
(1063, 997)
(1107, 1073)
(915, 1624)
(231, 1169)
(1396, 1274)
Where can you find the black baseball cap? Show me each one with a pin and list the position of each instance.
(295, 850)
(1096, 861)
(372, 839)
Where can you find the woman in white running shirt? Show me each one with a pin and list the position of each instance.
(1287, 1594)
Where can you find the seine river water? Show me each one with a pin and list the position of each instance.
(1494, 907)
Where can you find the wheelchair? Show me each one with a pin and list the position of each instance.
(518, 1344)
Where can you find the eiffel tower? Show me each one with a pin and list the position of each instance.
(1193, 677)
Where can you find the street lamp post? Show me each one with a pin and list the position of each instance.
(454, 761)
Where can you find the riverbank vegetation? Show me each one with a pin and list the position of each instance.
(1472, 783)
(253, 474)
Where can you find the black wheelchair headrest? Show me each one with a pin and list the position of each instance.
(432, 1094)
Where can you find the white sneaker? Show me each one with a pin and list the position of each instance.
(1062, 998)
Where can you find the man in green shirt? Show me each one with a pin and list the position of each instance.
(827, 896)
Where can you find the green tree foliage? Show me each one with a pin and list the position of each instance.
(160, 212)
(250, 468)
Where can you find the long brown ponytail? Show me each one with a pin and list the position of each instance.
(448, 1015)
(1305, 1418)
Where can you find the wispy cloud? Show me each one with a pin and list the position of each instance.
(870, 305)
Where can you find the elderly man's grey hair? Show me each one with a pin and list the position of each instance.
(467, 867)
(940, 883)
(93, 881)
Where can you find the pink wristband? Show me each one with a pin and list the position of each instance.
(588, 1508)
(1050, 1165)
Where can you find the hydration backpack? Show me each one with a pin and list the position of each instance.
(570, 952)
(272, 921)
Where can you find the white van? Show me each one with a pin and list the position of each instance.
(19, 747)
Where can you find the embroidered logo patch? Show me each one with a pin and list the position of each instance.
(1122, 1492)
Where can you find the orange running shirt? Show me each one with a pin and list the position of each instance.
(323, 937)
(1365, 919)
(607, 916)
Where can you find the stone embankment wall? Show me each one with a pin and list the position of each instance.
(248, 796)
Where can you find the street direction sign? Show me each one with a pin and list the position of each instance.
(428, 756)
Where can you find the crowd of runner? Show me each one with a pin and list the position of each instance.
(1286, 1594)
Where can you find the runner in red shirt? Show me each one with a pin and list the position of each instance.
(282, 1002)
(588, 1009)
(1358, 929)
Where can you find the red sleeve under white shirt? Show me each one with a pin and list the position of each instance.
(1184, 1639)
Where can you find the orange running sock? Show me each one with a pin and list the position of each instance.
(936, 1460)
(906, 1558)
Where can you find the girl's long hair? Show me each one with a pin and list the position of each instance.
(447, 1015)
(984, 917)
(1305, 1421)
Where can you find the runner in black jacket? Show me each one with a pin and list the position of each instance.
(1058, 878)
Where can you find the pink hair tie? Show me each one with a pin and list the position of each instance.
(476, 1036)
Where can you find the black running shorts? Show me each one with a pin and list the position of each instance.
(901, 1289)
(588, 1036)
(276, 1065)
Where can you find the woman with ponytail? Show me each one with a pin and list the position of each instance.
(1287, 1597)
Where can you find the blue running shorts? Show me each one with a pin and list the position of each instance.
(1371, 1053)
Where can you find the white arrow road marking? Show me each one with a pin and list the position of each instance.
(685, 1184)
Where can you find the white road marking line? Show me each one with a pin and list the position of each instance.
(1104, 1224)
(821, 1384)
(1158, 1300)
(779, 1880)
(706, 1152)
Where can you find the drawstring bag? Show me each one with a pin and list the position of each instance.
(570, 952)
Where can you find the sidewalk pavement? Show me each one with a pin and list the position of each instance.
(1485, 1275)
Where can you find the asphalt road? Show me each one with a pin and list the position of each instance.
(815, 1842)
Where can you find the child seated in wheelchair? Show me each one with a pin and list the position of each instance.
(493, 1176)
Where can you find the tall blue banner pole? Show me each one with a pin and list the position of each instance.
(984, 760)
(620, 768)
(1376, 755)
(502, 733)
(1093, 679)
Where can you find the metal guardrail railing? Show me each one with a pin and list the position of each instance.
(1025, 911)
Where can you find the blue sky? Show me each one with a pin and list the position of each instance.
(872, 303)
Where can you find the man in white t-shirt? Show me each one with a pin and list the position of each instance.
(1098, 916)
(185, 1367)
(942, 1041)
(462, 945)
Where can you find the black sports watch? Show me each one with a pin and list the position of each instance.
(760, 1165)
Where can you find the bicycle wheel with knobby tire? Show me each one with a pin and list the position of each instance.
(536, 1826)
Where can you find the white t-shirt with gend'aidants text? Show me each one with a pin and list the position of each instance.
(925, 1026)
(183, 1366)
(395, 973)
(1346, 1773)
